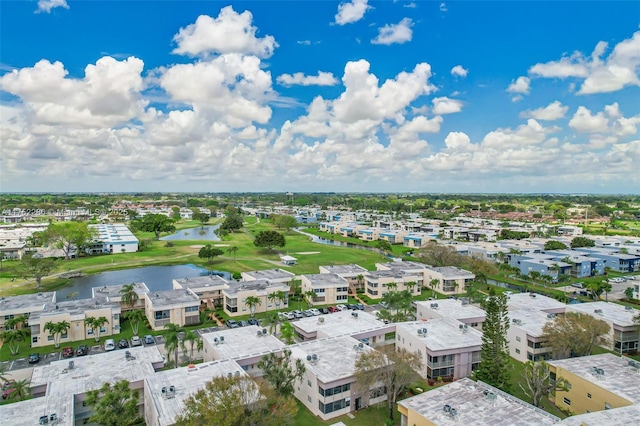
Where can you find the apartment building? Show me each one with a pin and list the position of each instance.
(451, 280)
(112, 238)
(208, 288)
(525, 335)
(179, 307)
(418, 239)
(352, 273)
(377, 283)
(624, 335)
(360, 325)
(235, 297)
(447, 347)
(621, 262)
(407, 268)
(395, 236)
(24, 305)
(329, 288)
(272, 275)
(111, 293)
(329, 386)
(536, 302)
(457, 309)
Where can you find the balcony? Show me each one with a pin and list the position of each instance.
(162, 322)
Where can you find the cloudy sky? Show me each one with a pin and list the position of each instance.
(399, 96)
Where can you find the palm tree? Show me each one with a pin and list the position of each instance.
(13, 338)
(17, 323)
(281, 296)
(194, 340)
(392, 286)
(287, 332)
(135, 317)
(433, 284)
(57, 329)
(410, 285)
(273, 320)
(252, 302)
(360, 279)
(129, 296)
(4, 376)
(20, 389)
(233, 250)
(172, 340)
(95, 324)
(273, 297)
(309, 296)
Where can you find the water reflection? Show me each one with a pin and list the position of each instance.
(202, 233)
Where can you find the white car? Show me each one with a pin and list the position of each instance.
(315, 312)
(342, 307)
(135, 341)
(109, 345)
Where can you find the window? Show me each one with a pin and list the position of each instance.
(49, 337)
(518, 339)
(308, 398)
(589, 395)
(517, 351)
(191, 309)
(607, 406)
(566, 400)
(102, 330)
(308, 382)
(34, 339)
(90, 331)
(162, 314)
(334, 391)
(567, 385)
(318, 290)
(342, 297)
(64, 335)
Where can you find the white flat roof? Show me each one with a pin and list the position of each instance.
(473, 407)
(533, 301)
(243, 342)
(200, 283)
(617, 314)
(336, 357)
(26, 302)
(623, 416)
(326, 280)
(442, 334)
(158, 299)
(341, 323)
(530, 320)
(453, 308)
(186, 381)
(619, 378)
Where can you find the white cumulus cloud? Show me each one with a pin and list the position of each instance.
(395, 33)
(521, 85)
(351, 12)
(553, 111)
(298, 78)
(46, 5)
(459, 71)
(444, 105)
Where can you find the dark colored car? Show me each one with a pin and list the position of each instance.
(7, 388)
(67, 352)
(243, 323)
(34, 358)
(359, 306)
(149, 340)
(324, 311)
(123, 343)
(253, 321)
(351, 307)
(82, 350)
(232, 323)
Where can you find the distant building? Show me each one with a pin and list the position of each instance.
(451, 280)
(352, 273)
(457, 309)
(112, 238)
(360, 325)
(24, 305)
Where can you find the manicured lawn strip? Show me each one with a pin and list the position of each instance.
(375, 415)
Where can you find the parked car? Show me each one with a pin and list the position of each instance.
(283, 316)
(123, 343)
(82, 350)
(7, 388)
(135, 341)
(307, 313)
(34, 358)
(253, 321)
(333, 309)
(149, 340)
(243, 323)
(290, 315)
(67, 352)
(297, 314)
(342, 307)
(109, 345)
(315, 312)
(232, 323)
(359, 306)
(383, 304)
(324, 311)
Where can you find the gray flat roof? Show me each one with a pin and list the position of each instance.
(172, 297)
(617, 314)
(623, 416)
(619, 378)
(352, 269)
(326, 280)
(72, 307)
(531, 321)
(404, 265)
(533, 301)
(452, 272)
(473, 407)
(336, 357)
(340, 323)
(201, 283)
(26, 302)
(389, 273)
(186, 381)
(453, 308)
(113, 291)
(28, 412)
(270, 274)
(243, 342)
(442, 334)
(261, 286)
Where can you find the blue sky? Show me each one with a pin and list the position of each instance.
(320, 96)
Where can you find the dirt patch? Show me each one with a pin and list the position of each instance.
(308, 252)
(197, 246)
(221, 245)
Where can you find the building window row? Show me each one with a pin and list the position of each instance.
(342, 297)
(334, 406)
(335, 390)
(162, 314)
(192, 309)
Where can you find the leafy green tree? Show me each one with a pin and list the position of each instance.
(36, 267)
(269, 239)
(252, 302)
(439, 255)
(628, 293)
(128, 295)
(233, 222)
(156, 223)
(598, 287)
(114, 405)
(394, 370)
(135, 317)
(233, 250)
(494, 367)
(69, 235)
(287, 332)
(95, 324)
(554, 245)
(208, 252)
(4, 376)
(577, 242)
(20, 390)
(57, 329)
(537, 381)
(13, 339)
(384, 246)
(281, 371)
(172, 340)
(203, 218)
(16, 323)
(574, 334)
(285, 222)
(272, 320)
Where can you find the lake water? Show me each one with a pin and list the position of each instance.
(201, 233)
(321, 240)
(155, 277)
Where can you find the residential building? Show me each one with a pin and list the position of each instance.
(208, 288)
(525, 335)
(245, 345)
(623, 416)
(451, 280)
(329, 386)
(112, 238)
(166, 392)
(377, 283)
(112, 293)
(360, 325)
(179, 307)
(447, 347)
(75, 312)
(395, 236)
(23, 305)
(621, 262)
(352, 273)
(535, 301)
(597, 383)
(408, 268)
(418, 239)
(273, 275)
(581, 265)
(470, 403)
(458, 309)
(329, 288)
(235, 297)
(370, 234)
(624, 334)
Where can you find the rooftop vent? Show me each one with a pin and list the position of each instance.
(628, 308)
(320, 320)
(433, 306)
(532, 295)
(354, 314)
(422, 332)
(259, 333)
(551, 316)
(597, 311)
(221, 339)
(264, 331)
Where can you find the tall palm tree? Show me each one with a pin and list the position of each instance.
(433, 284)
(410, 285)
(281, 296)
(17, 323)
(252, 302)
(57, 329)
(273, 297)
(95, 324)
(287, 332)
(273, 320)
(172, 340)
(129, 296)
(20, 389)
(233, 250)
(13, 338)
(309, 296)
(392, 286)
(135, 317)
(194, 342)
(4, 376)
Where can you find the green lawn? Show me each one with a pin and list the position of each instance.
(516, 390)
(371, 416)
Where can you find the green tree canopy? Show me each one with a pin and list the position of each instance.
(209, 253)
(582, 242)
(574, 334)
(269, 239)
(554, 245)
(494, 367)
(281, 371)
(114, 405)
(203, 218)
(439, 255)
(233, 222)
(68, 236)
(156, 223)
(36, 267)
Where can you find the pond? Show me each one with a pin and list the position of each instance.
(155, 277)
(201, 233)
(321, 240)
